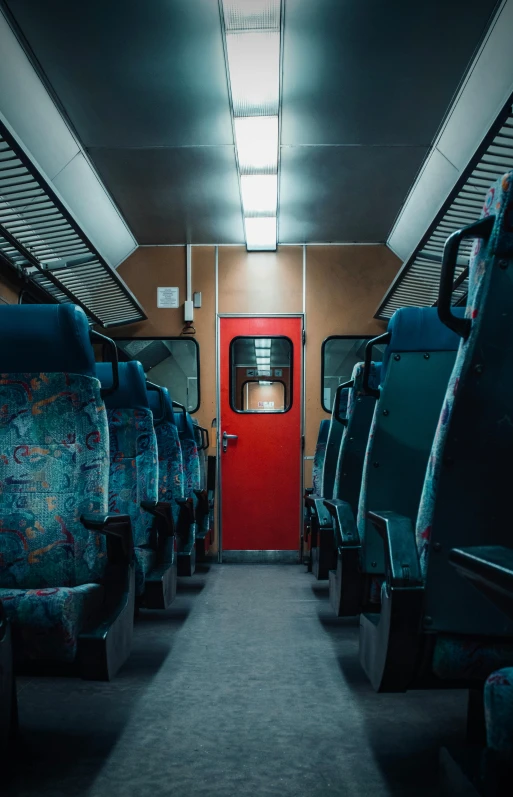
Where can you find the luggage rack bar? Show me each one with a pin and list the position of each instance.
(41, 240)
(417, 281)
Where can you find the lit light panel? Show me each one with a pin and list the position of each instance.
(259, 194)
(256, 138)
(263, 343)
(252, 30)
(261, 233)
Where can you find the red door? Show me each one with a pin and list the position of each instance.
(261, 378)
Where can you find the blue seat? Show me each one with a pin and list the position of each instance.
(313, 492)
(171, 473)
(192, 488)
(133, 478)
(205, 503)
(59, 581)
(416, 367)
(465, 496)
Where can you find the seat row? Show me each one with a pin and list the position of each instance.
(412, 479)
(103, 496)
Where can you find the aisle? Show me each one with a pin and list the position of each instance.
(247, 686)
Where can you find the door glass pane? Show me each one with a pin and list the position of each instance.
(261, 374)
(170, 362)
(339, 356)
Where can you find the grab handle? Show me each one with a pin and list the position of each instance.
(479, 229)
(97, 337)
(158, 388)
(371, 391)
(338, 391)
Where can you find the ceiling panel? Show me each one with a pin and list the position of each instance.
(133, 73)
(176, 195)
(374, 72)
(343, 194)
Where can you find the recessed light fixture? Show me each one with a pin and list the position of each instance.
(262, 343)
(252, 29)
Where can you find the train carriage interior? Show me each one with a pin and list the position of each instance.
(256, 398)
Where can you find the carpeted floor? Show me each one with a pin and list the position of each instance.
(247, 686)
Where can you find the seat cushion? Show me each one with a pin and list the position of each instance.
(498, 703)
(46, 623)
(467, 657)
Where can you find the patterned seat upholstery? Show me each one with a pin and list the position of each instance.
(169, 449)
(487, 494)
(133, 474)
(319, 456)
(192, 478)
(498, 703)
(54, 453)
(201, 453)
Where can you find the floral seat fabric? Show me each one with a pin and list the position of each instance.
(134, 478)
(171, 475)
(53, 468)
(451, 656)
(498, 704)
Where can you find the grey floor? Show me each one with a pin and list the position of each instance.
(247, 686)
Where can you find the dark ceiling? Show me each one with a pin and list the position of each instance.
(365, 88)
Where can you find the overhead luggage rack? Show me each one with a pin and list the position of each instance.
(42, 241)
(417, 282)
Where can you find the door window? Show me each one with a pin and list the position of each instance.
(261, 374)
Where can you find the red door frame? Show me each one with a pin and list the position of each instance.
(301, 358)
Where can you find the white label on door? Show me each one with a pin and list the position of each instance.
(168, 298)
(266, 405)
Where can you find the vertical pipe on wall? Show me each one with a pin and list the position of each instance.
(189, 273)
(218, 419)
(303, 414)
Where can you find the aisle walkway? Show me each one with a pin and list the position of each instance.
(248, 686)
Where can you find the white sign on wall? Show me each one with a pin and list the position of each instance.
(266, 405)
(168, 298)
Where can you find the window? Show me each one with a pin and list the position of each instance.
(339, 355)
(169, 362)
(261, 374)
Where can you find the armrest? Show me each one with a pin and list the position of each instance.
(490, 568)
(345, 524)
(162, 511)
(308, 491)
(316, 504)
(117, 529)
(401, 554)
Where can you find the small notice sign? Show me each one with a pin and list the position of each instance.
(266, 405)
(168, 298)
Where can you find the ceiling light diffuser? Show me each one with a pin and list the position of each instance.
(257, 144)
(262, 343)
(261, 234)
(252, 14)
(259, 194)
(254, 64)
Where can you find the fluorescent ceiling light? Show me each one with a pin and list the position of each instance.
(251, 14)
(259, 194)
(257, 144)
(262, 343)
(261, 234)
(265, 384)
(254, 64)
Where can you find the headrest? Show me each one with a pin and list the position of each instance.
(185, 425)
(131, 393)
(420, 329)
(45, 338)
(154, 399)
(324, 430)
(357, 377)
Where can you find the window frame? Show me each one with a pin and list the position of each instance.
(323, 346)
(273, 379)
(170, 337)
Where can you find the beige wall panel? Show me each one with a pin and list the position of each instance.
(260, 282)
(344, 285)
(9, 292)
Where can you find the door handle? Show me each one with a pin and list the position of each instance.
(227, 437)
